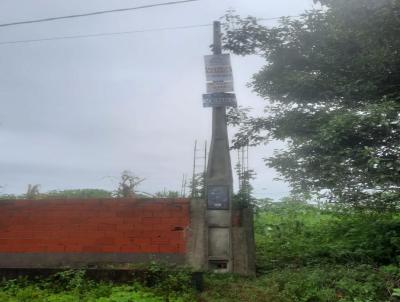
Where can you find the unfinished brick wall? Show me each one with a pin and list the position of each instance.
(94, 226)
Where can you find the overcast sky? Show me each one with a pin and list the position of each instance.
(75, 113)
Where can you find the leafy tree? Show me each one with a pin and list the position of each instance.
(32, 192)
(196, 186)
(244, 197)
(128, 184)
(332, 79)
(262, 204)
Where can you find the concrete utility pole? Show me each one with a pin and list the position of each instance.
(219, 170)
(219, 185)
(223, 239)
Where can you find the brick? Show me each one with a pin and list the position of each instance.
(175, 237)
(107, 227)
(131, 248)
(169, 248)
(122, 240)
(110, 248)
(144, 227)
(53, 248)
(174, 221)
(42, 228)
(92, 248)
(3, 225)
(140, 241)
(17, 235)
(77, 220)
(147, 214)
(26, 241)
(182, 248)
(50, 235)
(97, 225)
(21, 220)
(127, 214)
(122, 227)
(150, 220)
(150, 233)
(131, 220)
(149, 248)
(105, 240)
(175, 208)
(96, 220)
(7, 203)
(160, 227)
(135, 233)
(163, 213)
(160, 240)
(73, 248)
(154, 207)
(21, 227)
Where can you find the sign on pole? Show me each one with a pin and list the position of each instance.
(219, 100)
(218, 198)
(218, 68)
(215, 87)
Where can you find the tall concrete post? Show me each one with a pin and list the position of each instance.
(219, 185)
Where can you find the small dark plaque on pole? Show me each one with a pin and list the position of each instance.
(218, 197)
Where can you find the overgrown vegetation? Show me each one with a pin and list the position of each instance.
(71, 193)
(160, 283)
(298, 234)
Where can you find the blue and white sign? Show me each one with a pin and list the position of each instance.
(219, 100)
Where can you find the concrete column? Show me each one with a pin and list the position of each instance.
(219, 171)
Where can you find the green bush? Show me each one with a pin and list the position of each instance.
(161, 284)
(299, 234)
(314, 283)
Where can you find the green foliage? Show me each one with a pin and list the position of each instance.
(79, 193)
(331, 78)
(72, 193)
(8, 196)
(331, 283)
(297, 234)
(244, 197)
(73, 286)
(321, 283)
(70, 280)
(167, 194)
(32, 192)
(128, 184)
(168, 280)
(110, 293)
(196, 186)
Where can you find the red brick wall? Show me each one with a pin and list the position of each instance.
(94, 226)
